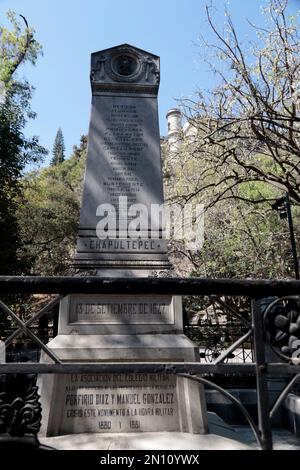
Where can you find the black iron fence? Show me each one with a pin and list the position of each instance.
(213, 339)
(277, 324)
(214, 323)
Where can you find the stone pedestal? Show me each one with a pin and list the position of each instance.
(103, 328)
(133, 402)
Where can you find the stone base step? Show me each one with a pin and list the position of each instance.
(143, 441)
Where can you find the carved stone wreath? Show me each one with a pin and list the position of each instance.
(282, 325)
(125, 66)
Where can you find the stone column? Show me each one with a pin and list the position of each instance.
(122, 226)
(174, 127)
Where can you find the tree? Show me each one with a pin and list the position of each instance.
(58, 148)
(242, 146)
(247, 128)
(48, 214)
(17, 46)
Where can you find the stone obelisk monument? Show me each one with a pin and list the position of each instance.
(122, 227)
(121, 233)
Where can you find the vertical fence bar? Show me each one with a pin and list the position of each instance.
(264, 422)
(292, 234)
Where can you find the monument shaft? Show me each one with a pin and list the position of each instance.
(122, 218)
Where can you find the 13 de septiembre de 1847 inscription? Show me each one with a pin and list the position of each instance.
(128, 310)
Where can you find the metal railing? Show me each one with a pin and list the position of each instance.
(215, 339)
(262, 327)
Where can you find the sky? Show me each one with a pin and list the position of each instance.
(70, 30)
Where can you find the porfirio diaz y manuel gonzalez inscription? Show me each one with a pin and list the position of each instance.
(130, 310)
(120, 403)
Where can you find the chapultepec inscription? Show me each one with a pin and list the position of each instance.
(122, 233)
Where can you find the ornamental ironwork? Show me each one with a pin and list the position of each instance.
(282, 325)
(22, 415)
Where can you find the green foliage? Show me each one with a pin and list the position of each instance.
(17, 45)
(16, 150)
(58, 150)
(240, 239)
(240, 145)
(48, 214)
(244, 242)
(247, 127)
